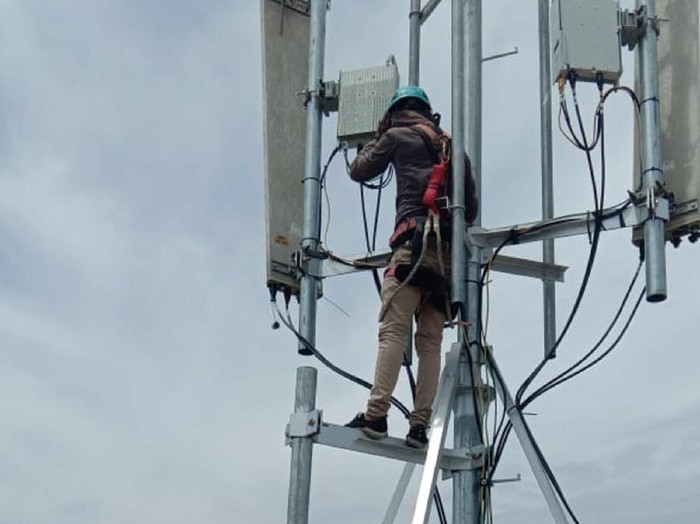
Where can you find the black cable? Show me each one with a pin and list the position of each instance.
(582, 143)
(538, 451)
(322, 181)
(626, 90)
(599, 135)
(584, 284)
(324, 171)
(512, 238)
(564, 375)
(500, 446)
(598, 203)
(462, 317)
(502, 433)
(561, 379)
(568, 375)
(370, 245)
(349, 376)
(376, 218)
(507, 430)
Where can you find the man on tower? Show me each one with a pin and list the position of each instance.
(416, 281)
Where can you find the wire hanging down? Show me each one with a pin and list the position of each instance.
(503, 429)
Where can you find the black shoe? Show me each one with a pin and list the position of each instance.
(375, 429)
(417, 437)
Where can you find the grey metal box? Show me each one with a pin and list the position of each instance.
(585, 39)
(364, 98)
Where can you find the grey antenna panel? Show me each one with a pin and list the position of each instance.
(285, 36)
(364, 98)
(679, 89)
(679, 114)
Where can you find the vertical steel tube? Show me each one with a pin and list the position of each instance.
(466, 128)
(548, 288)
(458, 174)
(300, 471)
(465, 502)
(414, 44)
(652, 175)
(312, 183)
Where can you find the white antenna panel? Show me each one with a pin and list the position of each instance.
(285, 36)
(679, 88)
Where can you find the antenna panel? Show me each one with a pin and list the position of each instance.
(364, 98)
(679, 114)
(679, 88)
(285, 37)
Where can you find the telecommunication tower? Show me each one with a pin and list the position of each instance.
(662, 206)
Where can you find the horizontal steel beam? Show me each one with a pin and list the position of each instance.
(529, 268)
(428, 10)
(354, 440)
(571, 225)
(502, 264)
(334, 266)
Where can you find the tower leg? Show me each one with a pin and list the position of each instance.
(302, 447)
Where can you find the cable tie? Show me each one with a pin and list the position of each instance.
(317, 179)
(513, 236)
(649, 170)
(650, 99)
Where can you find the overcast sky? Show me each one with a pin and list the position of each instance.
(139, 378)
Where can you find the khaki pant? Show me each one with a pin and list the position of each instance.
(394, 328)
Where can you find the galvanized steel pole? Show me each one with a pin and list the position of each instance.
(548, 288)
(300, 471)
(466, 129)
(312, 183)
(458, 196)
(414, 44)
(305, 401)
(652, 173)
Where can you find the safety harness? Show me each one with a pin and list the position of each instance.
(439, 146)
(416, 231)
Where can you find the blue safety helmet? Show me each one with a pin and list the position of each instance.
(405, 92)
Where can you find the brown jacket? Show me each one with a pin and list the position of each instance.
(404, 147)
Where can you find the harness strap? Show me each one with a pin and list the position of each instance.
(432, 225)
(402, 230)
(437, 144)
